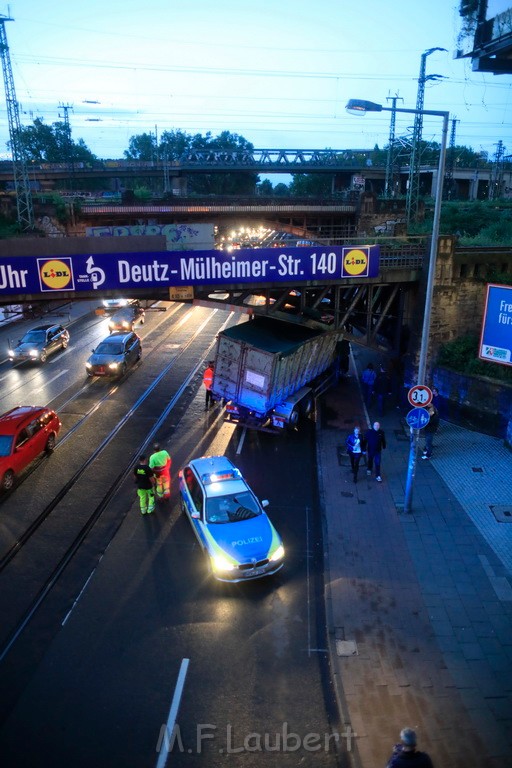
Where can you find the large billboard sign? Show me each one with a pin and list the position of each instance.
(171, 269)
(496, 336)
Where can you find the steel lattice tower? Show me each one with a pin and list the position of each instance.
(450, 166)
(21, 180)
(496, 180)
(389, 188)
(413, 189)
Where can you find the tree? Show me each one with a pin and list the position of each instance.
(177, 145)
(53, 144)
(311, 185)
(141, 147)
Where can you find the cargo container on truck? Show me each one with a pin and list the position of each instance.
(268, 372)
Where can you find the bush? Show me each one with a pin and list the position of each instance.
(462, 355)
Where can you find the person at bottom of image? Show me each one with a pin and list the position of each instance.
(160, 463)
(406, 754)
(144, 478)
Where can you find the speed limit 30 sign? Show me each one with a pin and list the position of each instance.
(420, 396)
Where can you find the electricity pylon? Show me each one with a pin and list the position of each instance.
(413, 189)
(21, 181)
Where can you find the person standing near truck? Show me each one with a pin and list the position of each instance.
(208, 383)
(160, 463)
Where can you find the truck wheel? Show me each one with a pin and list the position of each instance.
(294, 418)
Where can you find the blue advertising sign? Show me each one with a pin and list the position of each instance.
(496, 336)
(170, 269)
(418, 418)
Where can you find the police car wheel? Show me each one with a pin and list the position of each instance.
(308, 406)
(43, 357)
(50, 444)
(64, 343)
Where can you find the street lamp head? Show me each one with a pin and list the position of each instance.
(360, 107)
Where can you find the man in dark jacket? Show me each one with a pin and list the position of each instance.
(406, 755)
(430, 430)
(375, 442)
(144, 478)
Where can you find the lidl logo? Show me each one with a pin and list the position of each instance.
(55, 274)
(355, 262)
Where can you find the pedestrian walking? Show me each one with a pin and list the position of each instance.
(430, 430)
(381, 388)
(160, 463)
(375, 442)
(144, 478)
(208, 382)
(367, 381)
(354, 443)
(405, 752)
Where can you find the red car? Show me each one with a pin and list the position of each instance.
(25, 432)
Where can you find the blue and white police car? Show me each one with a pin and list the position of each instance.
(228, 520)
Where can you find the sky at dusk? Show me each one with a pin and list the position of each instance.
(278, 74)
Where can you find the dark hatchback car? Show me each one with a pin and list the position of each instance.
(25, 432)
(126, 318)
(37, 344)
(114, 355)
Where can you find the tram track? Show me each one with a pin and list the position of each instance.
(65, 547)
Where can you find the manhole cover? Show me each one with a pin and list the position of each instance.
(346, 648)
(502, 512)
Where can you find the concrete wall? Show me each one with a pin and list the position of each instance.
(475, 401)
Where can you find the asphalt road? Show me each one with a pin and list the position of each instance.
(92, 680)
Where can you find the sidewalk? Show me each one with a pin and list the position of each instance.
(419, 605)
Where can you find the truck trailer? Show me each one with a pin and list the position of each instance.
(268, 372)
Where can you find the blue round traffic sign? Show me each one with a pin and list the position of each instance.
(418, 418)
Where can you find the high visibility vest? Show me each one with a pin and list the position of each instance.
(208, 378)
(160, 461)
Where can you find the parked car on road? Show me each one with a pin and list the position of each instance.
(114, 355)
(38, 343)
(229, 522)
(25, 432)
(126, 318)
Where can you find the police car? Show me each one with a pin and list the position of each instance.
(228, 520)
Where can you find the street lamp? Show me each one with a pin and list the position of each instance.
(360, 107)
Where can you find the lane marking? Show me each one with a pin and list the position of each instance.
(57, 376)
(173, 713)
(242, 440)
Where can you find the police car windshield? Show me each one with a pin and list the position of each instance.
(231, 509)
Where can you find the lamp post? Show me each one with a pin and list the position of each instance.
(359, 107)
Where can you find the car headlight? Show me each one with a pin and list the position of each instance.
(11, 353)
(88, 366)
(221, 563)
(278, 554)
(34, 353)
(113, 366)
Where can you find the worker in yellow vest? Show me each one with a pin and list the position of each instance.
(160, 463)
(208, 381)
